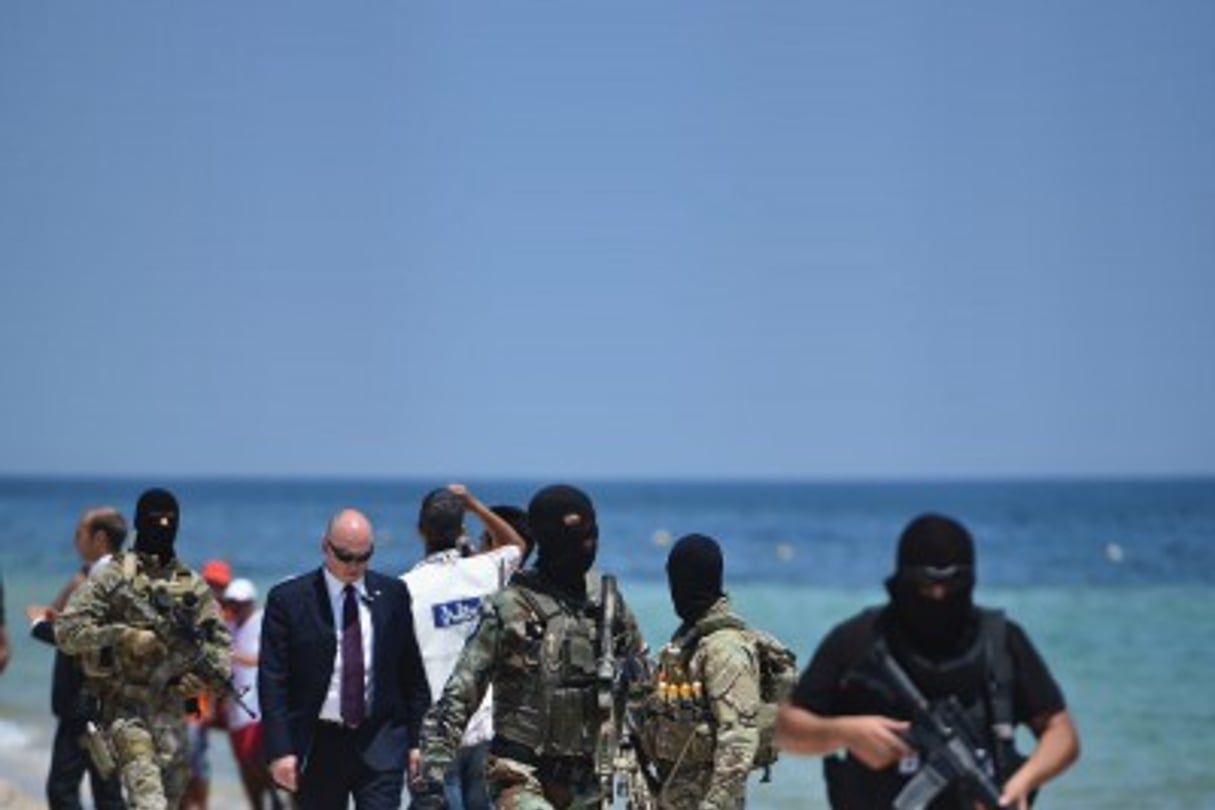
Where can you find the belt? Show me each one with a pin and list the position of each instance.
(502, 747)
(565, 768)
(334, 726)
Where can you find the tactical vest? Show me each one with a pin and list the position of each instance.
(986, 663)
(678, 728)
(140, 602)
(551, 709)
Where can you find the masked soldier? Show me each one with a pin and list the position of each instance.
(150, 638)
(537, 645)
(701, 724)
(956, 655)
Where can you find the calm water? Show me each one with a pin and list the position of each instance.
(1113, 580)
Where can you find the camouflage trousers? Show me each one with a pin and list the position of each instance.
(150, 752)
(514, 785)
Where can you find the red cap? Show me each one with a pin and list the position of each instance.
(217, 572)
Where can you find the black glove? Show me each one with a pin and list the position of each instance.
(427, 794)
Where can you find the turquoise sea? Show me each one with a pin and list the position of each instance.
(1114, 580)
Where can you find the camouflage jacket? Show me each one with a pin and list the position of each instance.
(136, 591)
(726, 665)
(512, 650)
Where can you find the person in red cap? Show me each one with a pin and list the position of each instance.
(218, 575)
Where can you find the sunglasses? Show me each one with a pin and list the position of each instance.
(349, 556)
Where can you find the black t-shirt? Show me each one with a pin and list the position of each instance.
(821, 688)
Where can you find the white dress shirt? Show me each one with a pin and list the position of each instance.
(331, 709)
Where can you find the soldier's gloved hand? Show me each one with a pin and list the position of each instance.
(190, 685)
(142, 644)
(427, 794)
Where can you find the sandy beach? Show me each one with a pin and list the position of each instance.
(23, 767)
(23, 772)
(13, 797)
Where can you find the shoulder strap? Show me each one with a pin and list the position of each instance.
(1000, 682)
(994, 628)
(727, 622)
(542, 606)
(999, 666)
(129, 562)
(594, 588)
(707, 628)
(688, 642)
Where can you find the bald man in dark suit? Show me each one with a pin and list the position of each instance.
(340, 680)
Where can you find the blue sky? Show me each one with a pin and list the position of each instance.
(844, 240)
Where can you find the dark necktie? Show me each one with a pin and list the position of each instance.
(353, 708)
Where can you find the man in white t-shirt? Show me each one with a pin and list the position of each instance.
(245, 729)
(447, 588)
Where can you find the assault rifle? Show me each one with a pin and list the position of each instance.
(175, 621)
(942, 735)
(616, 755)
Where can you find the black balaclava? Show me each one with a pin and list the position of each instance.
(694, 571)
(156, 523)
(934, 548)
(517, 518)
(562, 520)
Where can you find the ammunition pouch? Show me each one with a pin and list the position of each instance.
(555, 713)
(564, 728)
(680, 745)
(569, 732)
(99, 749)
(674, 737)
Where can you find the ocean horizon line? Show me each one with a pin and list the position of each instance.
(413, 479)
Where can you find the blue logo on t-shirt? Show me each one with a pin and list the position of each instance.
(459, 611)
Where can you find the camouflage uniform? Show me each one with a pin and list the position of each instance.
(538, 650)
(140, 710)
(702, 724)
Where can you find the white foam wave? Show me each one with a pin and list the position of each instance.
(13, 735)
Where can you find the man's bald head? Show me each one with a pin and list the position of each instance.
(348, 544)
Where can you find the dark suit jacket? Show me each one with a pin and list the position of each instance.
(67, 681)
(298, 646)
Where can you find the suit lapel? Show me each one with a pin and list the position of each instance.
(382, 633)
(323, 606)
(379, 622)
